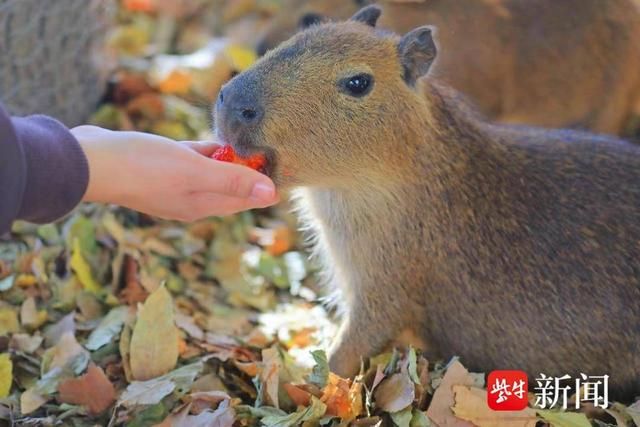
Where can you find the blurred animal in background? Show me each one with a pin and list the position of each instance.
(553, 63)
(52, 59)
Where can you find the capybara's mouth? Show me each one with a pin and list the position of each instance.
(247, 153)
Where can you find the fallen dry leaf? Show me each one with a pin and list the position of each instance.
(64, 351)
(298, 396)
(6, 375)
(82, 269)
(8, 321)
(92, 390)
(471, 405)
(25, 342)
(154, 342)
(30, 316)
(178, 82)
(395, 393)
(30, 401)
(443, 399)
(342, 398)
(270, 375)
(53, 333)
(133, 291)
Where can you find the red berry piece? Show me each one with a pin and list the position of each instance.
(224, 154)
(256, 162)
(227, 154)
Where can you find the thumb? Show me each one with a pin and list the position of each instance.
(206, 148)
(238, 181)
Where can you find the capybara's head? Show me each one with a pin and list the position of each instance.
(331, 106)
(297, 15)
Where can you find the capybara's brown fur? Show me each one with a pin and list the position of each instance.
(512, 247)
(553, 63)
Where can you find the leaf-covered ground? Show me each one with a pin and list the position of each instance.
(114, 318)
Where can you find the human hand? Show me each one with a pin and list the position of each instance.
(168, 179)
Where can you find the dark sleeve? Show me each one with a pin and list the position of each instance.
(43, 170)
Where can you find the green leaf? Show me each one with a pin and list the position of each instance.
(83, 230)
(419, 419)
(320, 372)
(313, 413)
(49, 233)
(413, 365)
(402, 418)
(109, 327)
(152, 415)
(381, 359)
(564, 419)
(273, 269)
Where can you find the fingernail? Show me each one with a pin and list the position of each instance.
(263, 192)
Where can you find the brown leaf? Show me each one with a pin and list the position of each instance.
(130, 86)
(471, 405)
(133, 292)
(298, 396)
(270, 375)
(148, 105)
(154, 342)
(249, 368)
(443, 399)
(343, 399)
(204, 400)
(395, 393)
(92, 390)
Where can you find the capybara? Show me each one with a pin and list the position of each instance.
(513, 247)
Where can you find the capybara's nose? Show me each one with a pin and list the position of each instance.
(241, 107)
(248, 114)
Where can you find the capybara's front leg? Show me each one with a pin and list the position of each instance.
(360, 335)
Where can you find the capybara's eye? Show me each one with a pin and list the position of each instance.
(358, 85)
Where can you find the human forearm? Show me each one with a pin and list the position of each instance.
(43, 170)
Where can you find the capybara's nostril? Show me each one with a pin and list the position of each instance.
(221, 97)
(249, 115)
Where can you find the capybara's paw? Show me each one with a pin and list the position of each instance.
(344, 363)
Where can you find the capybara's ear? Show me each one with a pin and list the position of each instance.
(310, 19)
(417, 52)
(368, 15)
